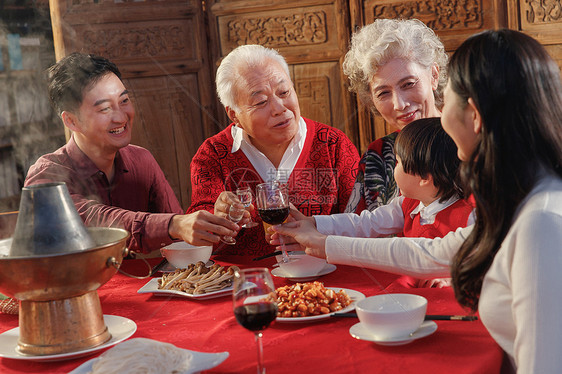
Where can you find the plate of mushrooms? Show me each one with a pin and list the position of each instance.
(197, 281)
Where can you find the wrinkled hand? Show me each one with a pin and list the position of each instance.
(201, 228)
(223, 203)
(305, 233)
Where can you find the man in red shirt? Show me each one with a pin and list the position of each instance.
(114, 183)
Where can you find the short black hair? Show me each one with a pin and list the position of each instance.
(68, 78)
(426, 149)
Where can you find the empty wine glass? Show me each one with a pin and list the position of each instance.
(245, 196)
(255, 304)
(235, 214)
(272, 199)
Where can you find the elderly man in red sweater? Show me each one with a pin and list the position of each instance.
(269, 140)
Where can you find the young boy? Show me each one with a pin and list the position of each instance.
(432, 201)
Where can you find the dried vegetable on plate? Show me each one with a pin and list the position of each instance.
(198, 279)
(310, 299)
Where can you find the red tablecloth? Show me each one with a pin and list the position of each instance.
(320, 347)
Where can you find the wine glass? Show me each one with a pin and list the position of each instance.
(255, 304)
(272, 199)
(235, 214)
(245, 196)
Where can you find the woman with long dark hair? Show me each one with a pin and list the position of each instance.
(503, 109)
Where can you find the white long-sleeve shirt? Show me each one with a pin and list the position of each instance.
(520, 301)
(384, 220)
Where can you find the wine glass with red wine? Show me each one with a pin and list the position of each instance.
(272, 199)
(255, 304)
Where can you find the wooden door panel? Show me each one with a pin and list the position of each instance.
(167, 124)
(320, 93)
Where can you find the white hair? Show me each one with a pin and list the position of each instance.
(238, 59)
(386, 39)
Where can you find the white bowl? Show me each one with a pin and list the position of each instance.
(182, 254)
(301, 264)
(390, 316)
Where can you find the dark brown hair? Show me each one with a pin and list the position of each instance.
(426, 149)
(517, 90)
(68, 78)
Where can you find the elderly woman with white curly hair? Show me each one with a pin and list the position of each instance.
(397, 68)
(269, 140)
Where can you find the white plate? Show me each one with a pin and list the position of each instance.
(358, 331)
(120, 329)
(201, 361)
(329, 268)
(152, 287)
(354, 295)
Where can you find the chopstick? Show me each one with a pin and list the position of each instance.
(437, 317)
(267, 256)
(159, 266)
(429, 317)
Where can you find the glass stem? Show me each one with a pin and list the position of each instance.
(261, 368)
(283, 250)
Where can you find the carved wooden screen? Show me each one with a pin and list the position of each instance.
(313, 36)
(161, 49)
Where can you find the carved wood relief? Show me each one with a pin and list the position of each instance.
(141, 40)
(452, 20)
(278, 31)
(543, 11)
(437, 14)
(541, 19)
(289, 30)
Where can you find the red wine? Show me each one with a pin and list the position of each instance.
(274, 216)
(257, 316)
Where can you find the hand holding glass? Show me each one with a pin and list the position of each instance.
(272, 199)
(255, 304)
(245, 196)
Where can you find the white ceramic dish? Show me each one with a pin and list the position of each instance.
(120, 328)
(392, 315)
(152, 287)
(182, 254)
(278, 272)
(201, 361)
(300, 264)
(358, 331)
(355, 296)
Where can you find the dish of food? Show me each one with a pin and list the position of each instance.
(120, 329)
(198, 279)
(198, 361)
(152, 287)
(331, 300)
(278, 272)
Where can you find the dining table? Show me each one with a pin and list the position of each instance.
(317, 346)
